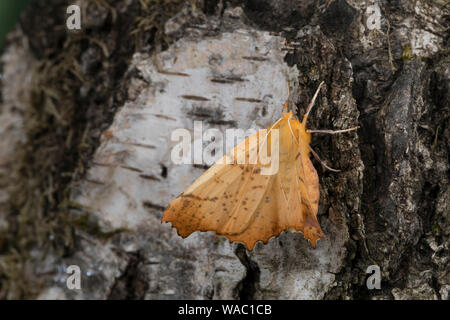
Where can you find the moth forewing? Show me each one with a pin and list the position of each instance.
(263, 186)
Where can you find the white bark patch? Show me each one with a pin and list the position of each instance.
(238, 80)
(424, 43)
(292, 269)
(234, 80)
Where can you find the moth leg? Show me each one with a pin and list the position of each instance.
(321, 162)
(311, 104)
(332, 131)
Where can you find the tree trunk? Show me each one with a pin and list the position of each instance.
(86, 165)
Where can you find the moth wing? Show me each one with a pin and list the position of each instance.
(236, 201)
(266, 220)
(308, 186)
(291, 198)
(225, 198)
(299, 183)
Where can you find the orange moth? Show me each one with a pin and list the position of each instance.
(236, 199)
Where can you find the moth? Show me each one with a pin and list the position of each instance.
(238, 201)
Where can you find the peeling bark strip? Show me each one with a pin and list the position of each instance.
(95, 181)
(195, 98)
(142, 145)
(148, 204)
(131, 168)
(172, 73)
(388, 206)
(149, 177)
(228, 79)
(255, 58)
(253, 100)
(161, 116)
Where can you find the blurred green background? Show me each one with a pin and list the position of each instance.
(9, 14)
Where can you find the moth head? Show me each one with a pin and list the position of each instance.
(297, 128)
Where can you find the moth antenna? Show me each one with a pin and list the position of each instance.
(321, 162)
(311, 104)
(267, 134)
(332, 131)
(292, 132)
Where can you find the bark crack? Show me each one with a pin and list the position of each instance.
(247, 287)
(133, 283)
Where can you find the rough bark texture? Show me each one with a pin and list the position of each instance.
(86, 120)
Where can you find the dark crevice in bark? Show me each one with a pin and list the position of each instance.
(133, 283)
(277, 16)
(436, 287)
(247, 287)
(337, 18)
(210, 6)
